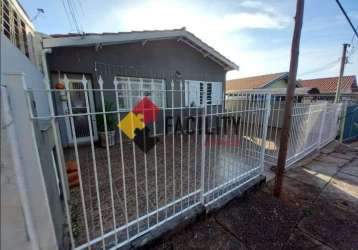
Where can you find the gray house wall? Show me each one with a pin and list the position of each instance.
(162, 59)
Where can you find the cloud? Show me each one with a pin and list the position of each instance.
(252, 4)
(168, 15)
(254, 21)
(222, 26)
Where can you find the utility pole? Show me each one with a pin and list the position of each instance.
(341, 71)
(282, 154)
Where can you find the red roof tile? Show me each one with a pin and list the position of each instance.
(253, 82)
(329, 85)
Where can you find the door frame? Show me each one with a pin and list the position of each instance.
(81, 140)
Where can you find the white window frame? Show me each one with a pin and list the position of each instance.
(126, 91)
(194, 93)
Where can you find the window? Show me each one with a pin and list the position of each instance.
(6, 18)
(13, 25)
(194, 93)
(24, 37)
(132, 89)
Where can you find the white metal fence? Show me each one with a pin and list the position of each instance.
(167, 154)
(313, 125)
(168, 157)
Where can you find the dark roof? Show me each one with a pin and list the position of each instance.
(254, 82)
(329, 84)
(182, 35)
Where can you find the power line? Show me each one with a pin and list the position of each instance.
(321, 68)
(347, 17)
(353, 49)
(67, 13)
(71, 14)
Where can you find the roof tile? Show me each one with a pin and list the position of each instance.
(329, 85)
(254, 82)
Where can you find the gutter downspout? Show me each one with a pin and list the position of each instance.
(44, 65)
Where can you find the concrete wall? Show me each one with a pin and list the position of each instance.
(44, 204)
(156, 59)
(14, 233)
(14, 61)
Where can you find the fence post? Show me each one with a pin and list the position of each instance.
(322, 126)
(265, 128)
(203, 140)
(342, 120)
(307, 128)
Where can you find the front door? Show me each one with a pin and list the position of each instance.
(78, 103)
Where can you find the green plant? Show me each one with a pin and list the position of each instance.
(111, 118)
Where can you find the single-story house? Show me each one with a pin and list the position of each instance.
(269, 81)
(145, 63)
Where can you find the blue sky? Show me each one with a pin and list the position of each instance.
(254, 34)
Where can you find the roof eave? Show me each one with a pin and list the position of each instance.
(282, 76)
(110, 39)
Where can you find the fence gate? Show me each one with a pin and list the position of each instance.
(164, 148)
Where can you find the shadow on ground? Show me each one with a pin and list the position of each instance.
(318, 209)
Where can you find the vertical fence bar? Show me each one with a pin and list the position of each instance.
(221, 151)
(181, 144)
(115, 82)
(163, 95)
(265, 127)
(238, 150)
(203, 149)
(259, 102)
(155, 162)
(188, 142)
(278, 125)
(209, 154)
(173, 143)
(141, 90)
(74, 137)
(225, 153)
(251, 126)
(134, 153)
(247, 122)
(109, 164)
(84, 83)
(196, 143)
(216, 162)
(229, 143)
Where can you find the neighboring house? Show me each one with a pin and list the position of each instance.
(144, 62)
(329, 85)
(276, 80)
(17, 27)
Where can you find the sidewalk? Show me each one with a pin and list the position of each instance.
(318, 210)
